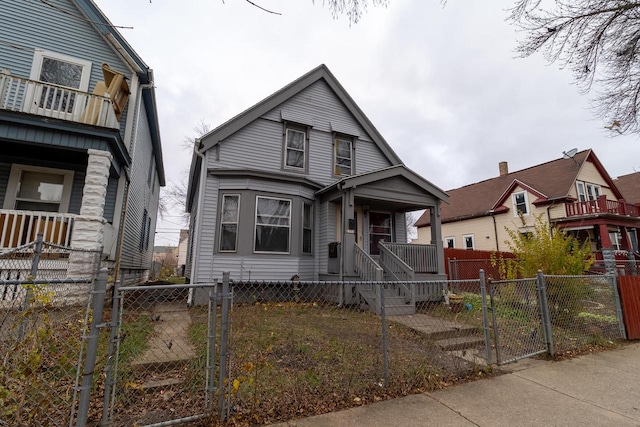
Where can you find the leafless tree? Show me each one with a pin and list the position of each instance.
(354, 9)
(598, 40)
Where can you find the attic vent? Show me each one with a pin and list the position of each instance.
(504, 168)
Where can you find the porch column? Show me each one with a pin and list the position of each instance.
(436, 235)
(348, 235)
(608, 254)
(88, 229)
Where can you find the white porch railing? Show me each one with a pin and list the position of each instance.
(21, 227)
(49, 100)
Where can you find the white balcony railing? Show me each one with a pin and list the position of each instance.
(49, 100)
(21, 227)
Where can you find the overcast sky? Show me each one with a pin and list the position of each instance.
(441, 84)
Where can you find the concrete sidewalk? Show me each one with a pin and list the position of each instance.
(601, 389)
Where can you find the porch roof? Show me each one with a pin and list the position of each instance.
(385, 177)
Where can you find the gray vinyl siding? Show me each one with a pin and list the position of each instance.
(259, 145)
(207, 232)
(75, 202)
(325, 233)
(140, 198)
(110, 199)
(400, 227)
(193, 217)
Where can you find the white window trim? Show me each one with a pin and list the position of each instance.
(14, 180)
(39, 55)
(585, 186)
(515, 205)
(446, 241)
(286, 149)
(582, 192)
(473, 241)
(255, 226)
(237, 223)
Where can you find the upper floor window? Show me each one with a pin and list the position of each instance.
(343, 156)
(520, 203)
(587, 191)
(468, 241)
(273, 224)
(295, 149)
(449, 242)
(229, 222)
(61, 70)
(34, 188)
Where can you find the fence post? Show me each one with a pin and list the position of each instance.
(211, 343)
(108, 369)
(485, 317)
(32, 275)
(613, 282)
(224, 334)
(385, 347)
(495, 324)
(544, 312)
(92, 347)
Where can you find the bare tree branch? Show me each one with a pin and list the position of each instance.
(598, 40)
(262, 8)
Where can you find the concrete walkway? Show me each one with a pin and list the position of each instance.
(601, 389)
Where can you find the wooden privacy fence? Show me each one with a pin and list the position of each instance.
(630, 299)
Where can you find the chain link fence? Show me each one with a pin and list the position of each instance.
(160, 365)
(43, 319)
(553, 314)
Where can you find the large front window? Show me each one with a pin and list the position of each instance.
(379, 229)
(229, 222)
(273, 222)
(33, 188)
(295, 145)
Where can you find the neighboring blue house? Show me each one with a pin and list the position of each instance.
(80, 152)
(273, 190)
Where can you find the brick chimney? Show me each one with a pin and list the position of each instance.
(504, 168)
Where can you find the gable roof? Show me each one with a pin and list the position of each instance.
(272, 101)
(145, 74)
(364, 178)
(551, 181)
(629, 186)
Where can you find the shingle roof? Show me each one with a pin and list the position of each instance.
(552, 181)
(629, 186)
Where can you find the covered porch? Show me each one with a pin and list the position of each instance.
(366, 227)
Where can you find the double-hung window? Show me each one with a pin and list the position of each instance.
(229, 222)
(343, 160)
(468, 241)
(295, 149)
(587, 191)
(520, 203)
(34, 188)
(273, 224)
(449, 242)
(307, 228)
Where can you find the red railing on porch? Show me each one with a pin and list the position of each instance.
(601, 205)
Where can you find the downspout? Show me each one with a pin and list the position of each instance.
(196, 227)
(495, 230)
(549, 217)
(123, 214)
(342, 233)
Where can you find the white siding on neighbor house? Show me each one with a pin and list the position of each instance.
(590, 174)
(37, 25)
(141, 197)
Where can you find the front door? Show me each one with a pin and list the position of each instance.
(380, 228)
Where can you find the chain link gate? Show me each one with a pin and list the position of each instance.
(517, 319)
(161, 364)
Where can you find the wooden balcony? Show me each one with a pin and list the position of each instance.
(601, 206)
(49, 100)
(18, 228)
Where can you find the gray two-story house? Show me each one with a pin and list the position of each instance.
(80, 152)
(302, 184)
